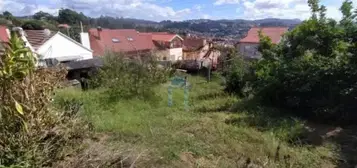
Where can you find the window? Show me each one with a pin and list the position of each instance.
(172, 57)
(115, 40)
(247, 47)
(164, 58)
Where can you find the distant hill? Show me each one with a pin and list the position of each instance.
(223, 29)
(229, 29)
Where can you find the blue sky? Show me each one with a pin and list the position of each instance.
(158, 10)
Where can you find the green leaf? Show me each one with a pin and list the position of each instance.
(19, 108)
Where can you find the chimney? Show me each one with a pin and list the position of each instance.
(19, 31)
(85, 40)
(99, 29)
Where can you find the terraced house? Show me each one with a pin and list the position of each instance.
(165, 45)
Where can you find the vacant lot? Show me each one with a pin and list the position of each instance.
(218, 131)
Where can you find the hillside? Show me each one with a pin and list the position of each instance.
(228, 29)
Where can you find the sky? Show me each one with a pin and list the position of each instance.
(178, 10)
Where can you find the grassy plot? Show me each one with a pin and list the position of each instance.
(210, 134)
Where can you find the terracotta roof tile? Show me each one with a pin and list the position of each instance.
(193, 43)
(38, 37)
(4, 36)
(274, 33)
(119, 40)
(163, 36)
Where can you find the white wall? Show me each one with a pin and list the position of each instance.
(203, 51)
(59, 46)
(162, 54)
(249, 50)
(175, 54)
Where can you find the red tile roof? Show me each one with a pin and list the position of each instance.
(163, 36)
(66, 26)
(275, 34)
(190, 43)
(4, 36)
(129, 40)
(38, 37)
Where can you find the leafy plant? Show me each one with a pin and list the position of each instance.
(31, 133)
(312, 71)
(128, 78)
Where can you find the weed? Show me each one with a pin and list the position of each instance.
(174, 137)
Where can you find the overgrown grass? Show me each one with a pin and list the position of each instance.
(211, 134)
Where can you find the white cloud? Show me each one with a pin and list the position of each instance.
(289, 9)
(141, 9)
(221, 2)
(157, 10)
(198, 7)
(206, 16)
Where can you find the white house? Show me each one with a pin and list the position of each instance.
(48, 45)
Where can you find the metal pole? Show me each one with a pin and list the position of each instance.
(186, 94)
(209, 74)
(170, 96)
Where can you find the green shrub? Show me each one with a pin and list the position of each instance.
(128, 78)
(33, 25)
(235, 76)
(235, 71)
(31, 133)
(312, 72)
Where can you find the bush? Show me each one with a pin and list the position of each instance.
(33, 25)
(31, 133)
(235, 76)
(235, 71)
(312, 72)
(129, 78)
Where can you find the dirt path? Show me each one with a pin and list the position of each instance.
(345, 138)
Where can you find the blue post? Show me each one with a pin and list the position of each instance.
(186, 98)
(170, 96)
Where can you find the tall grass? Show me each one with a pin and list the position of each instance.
(129, 78)
(211, 134)
(32, 134)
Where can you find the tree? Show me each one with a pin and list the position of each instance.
(43, 16)
(7, 15)
(33, 25)
(312, 71)
(68, 16)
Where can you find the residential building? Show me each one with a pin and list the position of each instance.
(167, 46)
(49, 46)
(200, 50)
(248, 46)
(127, 41)
(164, 45)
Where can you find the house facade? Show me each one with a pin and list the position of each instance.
(201, 50)
(168, 47)
(248, 46)
(50, 46)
